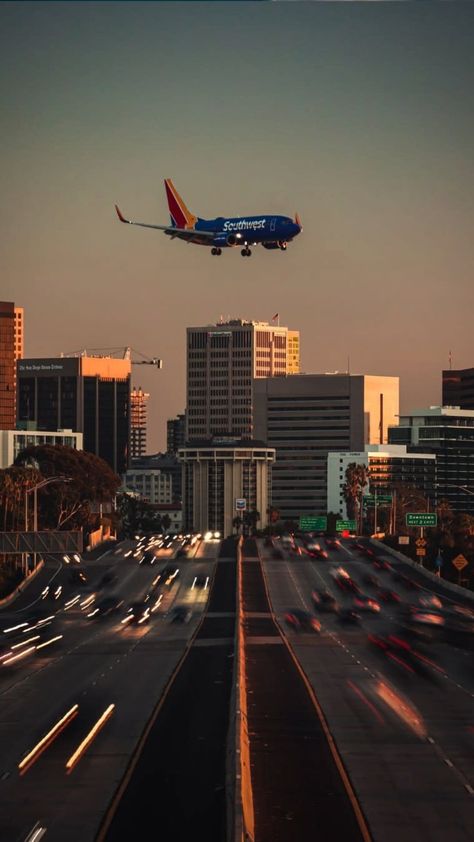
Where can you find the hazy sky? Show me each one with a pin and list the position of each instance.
(359, 116)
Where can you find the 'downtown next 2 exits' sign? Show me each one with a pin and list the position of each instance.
(422, 519)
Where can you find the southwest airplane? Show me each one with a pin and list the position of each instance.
(273, 232)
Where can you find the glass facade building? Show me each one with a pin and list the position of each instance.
(90, 395)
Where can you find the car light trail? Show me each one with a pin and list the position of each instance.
(82, 747)
(14, 628)
(36, 833)
(47, 642)
(68, 605)
(24, 642)
(20, 655)
(46, 741)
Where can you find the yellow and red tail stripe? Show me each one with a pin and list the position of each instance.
(180, 215)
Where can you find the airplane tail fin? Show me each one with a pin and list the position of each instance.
(181, 217)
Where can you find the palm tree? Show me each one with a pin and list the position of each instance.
(251, 519)
(237, 523)
(356, 481)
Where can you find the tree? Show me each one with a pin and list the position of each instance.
(408, 498)
(137, 515)
(15, 481)
(68, 505)
(356, 481)
(237, 523)
(251, 519)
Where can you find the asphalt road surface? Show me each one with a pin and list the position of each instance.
(94, 664)
(406, 735)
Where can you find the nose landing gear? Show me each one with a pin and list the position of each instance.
(216, 251)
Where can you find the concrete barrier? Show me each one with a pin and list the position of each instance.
(244, 824)
(7, 600)
(431, 577)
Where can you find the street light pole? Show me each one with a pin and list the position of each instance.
(35, 488)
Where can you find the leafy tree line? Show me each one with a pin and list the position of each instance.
(60, 505)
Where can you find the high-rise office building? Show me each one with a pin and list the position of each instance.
(306, 416)
(138, 417)
(90, 395)
(175, 433)
(448, 432)
(11, 350)
(223, 361)
(458, 388)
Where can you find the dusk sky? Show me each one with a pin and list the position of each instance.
(359, 116)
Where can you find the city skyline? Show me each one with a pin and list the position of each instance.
(362, 125)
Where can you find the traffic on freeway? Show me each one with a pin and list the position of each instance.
(86, 652)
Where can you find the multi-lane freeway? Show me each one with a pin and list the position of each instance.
(359, 727)
(95, 663)
(402, 718)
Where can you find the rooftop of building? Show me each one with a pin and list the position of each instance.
(236, 323)
(438, 411)
(224, 442)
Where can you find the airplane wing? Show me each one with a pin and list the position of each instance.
(183, 233)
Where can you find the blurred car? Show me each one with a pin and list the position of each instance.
(138, 613)
(362, 602)
(348, 615)
(106, 606)
(107, 579)
(148, 557)
(333, 544)
(302, 621)
(386, 595)
(324, 600)
(168, 575)
(370, 579)
(78, 577)
(180, 614)
(430, 600)
(346, 583)
(200, 581)
(381, 564)
(52, 591)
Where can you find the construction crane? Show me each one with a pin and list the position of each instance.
(119, 353)
(145, 361)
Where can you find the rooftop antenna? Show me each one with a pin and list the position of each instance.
(450, 358)
(348, 364)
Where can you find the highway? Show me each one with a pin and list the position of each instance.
(179, 781)
(97, 663)
(347, 739)
(406, 736)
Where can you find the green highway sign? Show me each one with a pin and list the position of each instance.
(422, 519)
(311, 523)
(371, 499)
(342, 525)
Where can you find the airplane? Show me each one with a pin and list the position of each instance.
(272, 232)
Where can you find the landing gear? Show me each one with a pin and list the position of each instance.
(246, 252)
(216, 251)
(282, 246)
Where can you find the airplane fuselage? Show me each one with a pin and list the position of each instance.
(247, 230)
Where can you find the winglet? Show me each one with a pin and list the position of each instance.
(119, 214)
(298, 221)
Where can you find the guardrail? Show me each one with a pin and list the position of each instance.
(21, 587)
(244, 820)
(458, 589)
